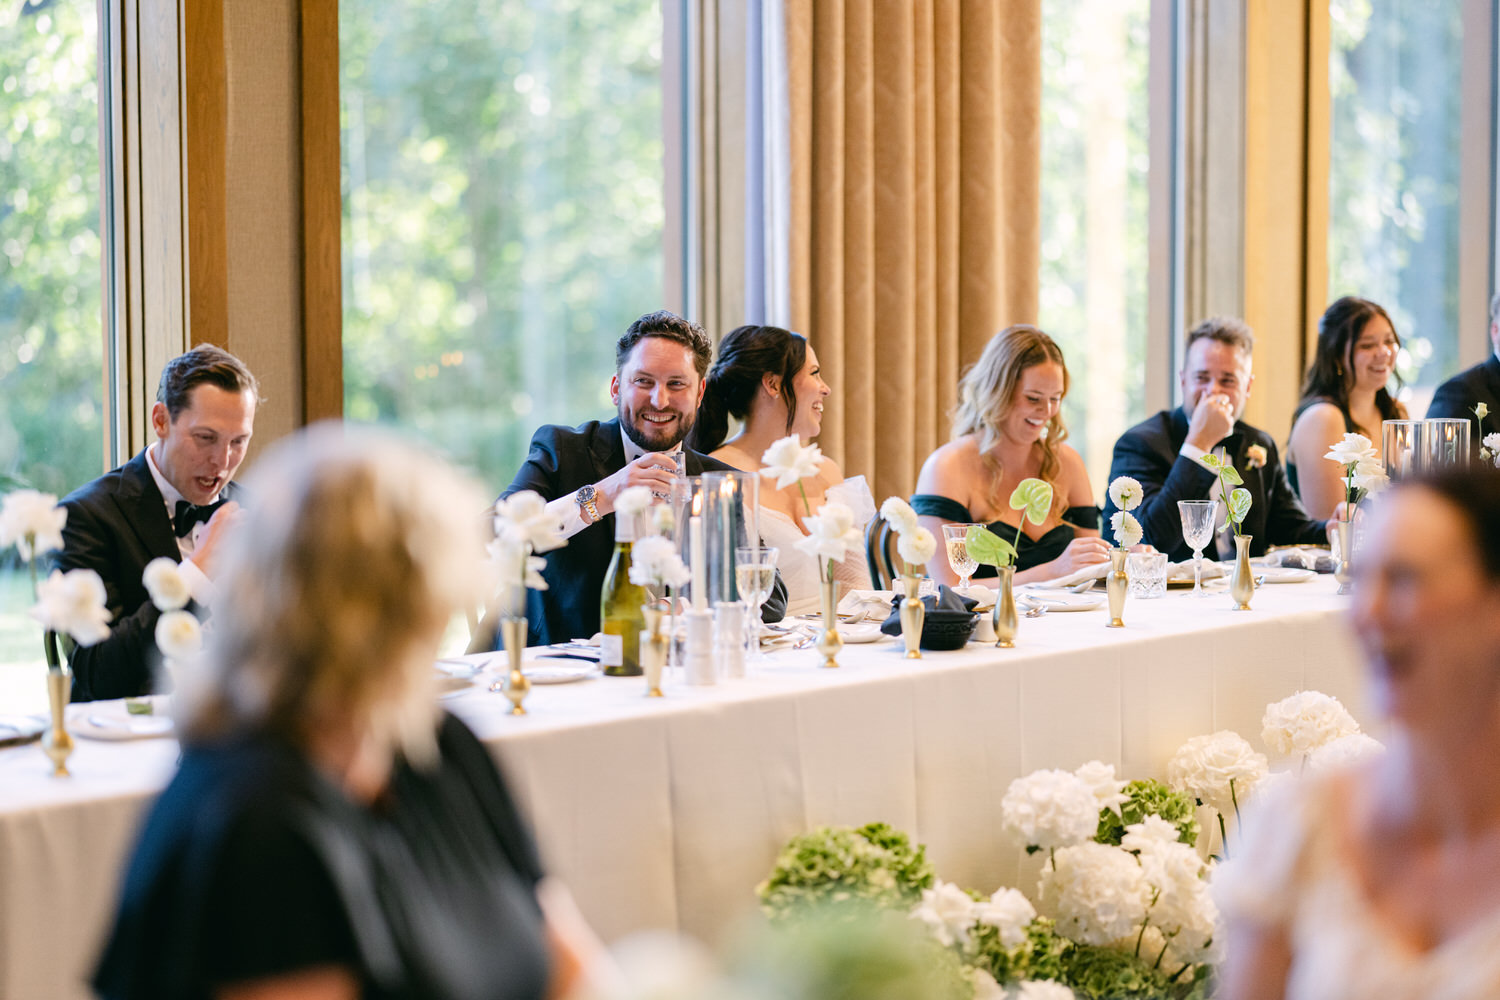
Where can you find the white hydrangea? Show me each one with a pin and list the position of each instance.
(985, 987)
(1346, 751)
(1108, 791)
(1219, 769)
(1150, 831)
(1305, 721)
(1010, 912)
(948, 912)
(1096, 893)
(1050, 808)
(1043, 989)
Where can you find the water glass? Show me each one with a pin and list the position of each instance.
(1447, 443)
(957, 548)
(1148, 574)
(1403, 443)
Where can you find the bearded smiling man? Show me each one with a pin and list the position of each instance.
(660, 363)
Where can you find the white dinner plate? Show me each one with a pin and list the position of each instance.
(560, 673)
(860, 632)
(109, 720)
(1062, 600)
(1284, 574)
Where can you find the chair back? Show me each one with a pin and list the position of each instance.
(880, 553)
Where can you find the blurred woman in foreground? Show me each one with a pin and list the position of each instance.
(1385, 879)
(330, 833)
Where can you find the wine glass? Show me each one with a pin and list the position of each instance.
(1198, 531)
(954, 544)
(754, 576)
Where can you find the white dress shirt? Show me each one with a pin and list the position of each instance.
(199, 585)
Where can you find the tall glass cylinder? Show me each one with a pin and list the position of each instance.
(731, 518)
(1403, 444)
(1447, 441)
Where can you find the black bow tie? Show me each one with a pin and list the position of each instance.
(189, 515)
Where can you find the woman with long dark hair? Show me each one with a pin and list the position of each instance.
(1346, 391)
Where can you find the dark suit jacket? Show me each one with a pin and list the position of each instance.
(116, 525)
(562, 459)
(1457, 396)
(1150, 452)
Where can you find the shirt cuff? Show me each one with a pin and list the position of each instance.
(1194, 453)
(199, 585)
(568, 514)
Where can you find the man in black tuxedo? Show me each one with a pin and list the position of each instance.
(660, 363)
(1480, 384)
(175, 500)
(1163, 451)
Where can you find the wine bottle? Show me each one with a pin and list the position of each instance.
(620, 618)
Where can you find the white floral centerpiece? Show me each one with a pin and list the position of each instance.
(1218, 770)
(1362, 472)
(523, 528)
(1490, 452)
(1126, 493)
(71, 603)
(656, 564)
(1305, 721)
(179, 633)
(831, 532)
(914, 543)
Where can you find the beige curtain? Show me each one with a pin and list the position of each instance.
(915, 149)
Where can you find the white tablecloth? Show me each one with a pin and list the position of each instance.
(667, 812)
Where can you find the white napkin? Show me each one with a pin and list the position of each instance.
(1184, 570)
(868, 605)
(1095, 572)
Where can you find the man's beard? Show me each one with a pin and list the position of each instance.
(684, 426)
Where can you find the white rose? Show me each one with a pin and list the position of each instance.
(73, 603)
(1050, 808)
(830, 533)
(899, 515)
(1097, 894)
(1109, 792)
(1370, 476)
(1126, 528)
(32, 522)
(1351, 450)
(1126, 493)
(166, 585)
(1346, 751)
(788, 460)
(1009, 911)
(179, 636)
(1304, 722)
(1219, 769)
(948, 913)
(916, 546)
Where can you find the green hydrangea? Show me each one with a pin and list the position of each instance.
(1040, 956)
(1149, 798)
(873, 864)
(1110, 974)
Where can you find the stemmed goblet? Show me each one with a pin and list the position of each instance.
(754, 576)
(1198, 531)
(954, 544)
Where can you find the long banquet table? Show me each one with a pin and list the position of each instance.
(665, 813)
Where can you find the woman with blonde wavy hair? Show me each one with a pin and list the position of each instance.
(330, 833)
(1008, 427)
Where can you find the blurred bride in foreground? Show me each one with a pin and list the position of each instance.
(1384, 880)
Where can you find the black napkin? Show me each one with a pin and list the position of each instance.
(945, 601)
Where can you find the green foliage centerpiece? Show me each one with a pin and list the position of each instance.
(1033, 497)
(1241, 584)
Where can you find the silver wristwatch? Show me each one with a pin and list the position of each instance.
(585, 498)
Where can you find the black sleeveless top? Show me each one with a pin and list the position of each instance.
(1029, 551)
(1350, 427)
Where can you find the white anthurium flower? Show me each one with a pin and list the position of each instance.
(655, 561)
(1108, 791)
(916, 546)
(1351, 450)
(73, 603)
(831, 533)
(523, 518)
(179, 635)
(166, 584)
(899, 515)
(1126, 492)
(1127, 529)
(789, 460)
(32, 522)
(1305, 721)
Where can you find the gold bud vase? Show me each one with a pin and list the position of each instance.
(913, 616)
(830, 642)
(58, 743)
(653, 649)
(517, 686)
(1004, 615)
(1117, 585)
(1343, 572)
(1242, 583)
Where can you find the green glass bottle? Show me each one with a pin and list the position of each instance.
(620, 618)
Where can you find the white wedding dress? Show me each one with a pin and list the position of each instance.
(1290, 872)
(799, 571)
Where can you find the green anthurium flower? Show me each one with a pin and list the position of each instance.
(1034, 498)
(1239, 505)
(988, 548)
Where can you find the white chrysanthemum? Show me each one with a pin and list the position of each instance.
(948, 913)
(1218, 769)
(523, 518)
(1097, 894)
(663, 519)
(1346, 751)
(1010, 912)
(1305, 721)
(916, 546)
(1109, 792)
(32, 522)
(789, 460)
(1126, 493)
(166, 585)
(899, 515)
(179, 636)
(830, 533)
(1353, 449)
(1051, 808)
(655, 561)
(632, 501)
(1127, 529)
(73, 603)
(1043, 989)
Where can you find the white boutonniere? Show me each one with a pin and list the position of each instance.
(1255, 456)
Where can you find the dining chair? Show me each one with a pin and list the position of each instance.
(880, 553)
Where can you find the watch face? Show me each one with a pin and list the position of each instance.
(585, 494)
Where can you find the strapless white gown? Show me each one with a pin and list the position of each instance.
(799, 571)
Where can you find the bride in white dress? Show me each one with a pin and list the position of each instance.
(768, 378)
(1384, 880)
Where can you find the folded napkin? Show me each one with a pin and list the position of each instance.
(1184, 570)
(945, 601)
(865, 605)
(1311, 557)
(1095, 572)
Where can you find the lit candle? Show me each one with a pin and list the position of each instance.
(700, 571)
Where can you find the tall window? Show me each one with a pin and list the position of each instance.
(52, 345)
(503, 212)
(1094, 239)
(1393, 227)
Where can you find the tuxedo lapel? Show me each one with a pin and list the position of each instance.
(607, 449)
(144, 511)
